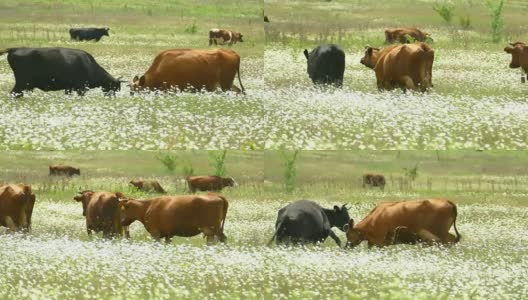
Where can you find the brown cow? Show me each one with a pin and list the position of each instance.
(223, 36)
(102, 213)
(63, 171)
(148, 185)
(209, 183)
(406, 35)
(407, 66)
(189, 215)
(16, 206)
(374, 180)
(189, 68)
(519, 52)
(427, 220)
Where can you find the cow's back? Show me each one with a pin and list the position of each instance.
(13, 206)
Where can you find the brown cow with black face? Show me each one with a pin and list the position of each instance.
(375, 180)
(192, 70)
(148, 185)
(209, 183)
(408, 222)
(407, 66)
(63, 171)
(186, 216)
(406, 35)
(519, 53)
(16, 206)
(102, 213)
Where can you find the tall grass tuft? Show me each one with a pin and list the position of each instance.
(217, 161)
(446, 11)
(169, 161)
(495, 9)
(290, 170)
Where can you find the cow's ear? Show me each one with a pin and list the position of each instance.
(351, 223)
(306, 53)
(142, 80)
(336, 208)
(135, 79)
(508, 49)
(369, 51)
(107, 29)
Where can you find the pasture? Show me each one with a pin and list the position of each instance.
(59, 260)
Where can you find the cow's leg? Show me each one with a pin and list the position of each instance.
(209, 234)
(81, 91)
(449, 239)
(10, 224)
(68, 91)
(408, 83)
(127, 232)
(89, 231)
(428, 237)
(210, 42)
(335, 238)
(167, 239)
(17, 91)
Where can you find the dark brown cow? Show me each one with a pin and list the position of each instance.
(388, 223)
(404, 34)
(185, 216)
(148, 185)
(222, 36)
(519, 53)
(102, 213)
(16, 206)
(63, 171)
(191, 69)
(407, 66)
(374, 180)
(208, 183)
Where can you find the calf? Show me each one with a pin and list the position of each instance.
(326, 64)
(222, 36)
(406, 35)
(519, 53)
(375, 180)
(209, 183)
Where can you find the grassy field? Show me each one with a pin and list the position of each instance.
(58, 260)
(475, 103)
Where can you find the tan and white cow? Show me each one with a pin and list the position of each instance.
(223, 36)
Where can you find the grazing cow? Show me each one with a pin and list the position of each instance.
(266, 19)
(407, 66)
(16, 206)
(305, 221)
(54, 69)
(185, 216)
(148, 185)
(326, 64)
(184, 68)
(406, 35)
(102, 213)
(388, 223)
(374, 180)
(64, 171)
(519, 53)
(88, 34)
(222, 36)
(208, 183)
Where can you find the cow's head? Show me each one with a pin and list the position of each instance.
(28, 200)
(371, 57)
(239, 37)
(519, 52)
(77, 171)
(137, 183)
(229, 181)
(129, 210)
(339, 217)
(105, 31)
(354, 236)
(84, 197)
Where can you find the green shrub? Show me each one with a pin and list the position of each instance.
(169, 161)
(290, 170)
(217, 161)
(495, 9)
(446, 11)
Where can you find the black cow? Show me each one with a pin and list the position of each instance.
(305, 221)
(88, 34)
(54, 69)
(326, 64)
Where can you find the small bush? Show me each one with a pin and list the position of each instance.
(169, 161)
(217, 161)
(411, 173)
(192, 29)
(495, 9)
(290, 170)
(187, 169)
(446, 11)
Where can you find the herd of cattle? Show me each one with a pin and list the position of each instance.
(304, 221)
(407, 66)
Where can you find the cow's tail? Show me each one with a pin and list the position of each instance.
(224, 213)
(458, 236)
(428, 66)
(239, 81)
(279, 229)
